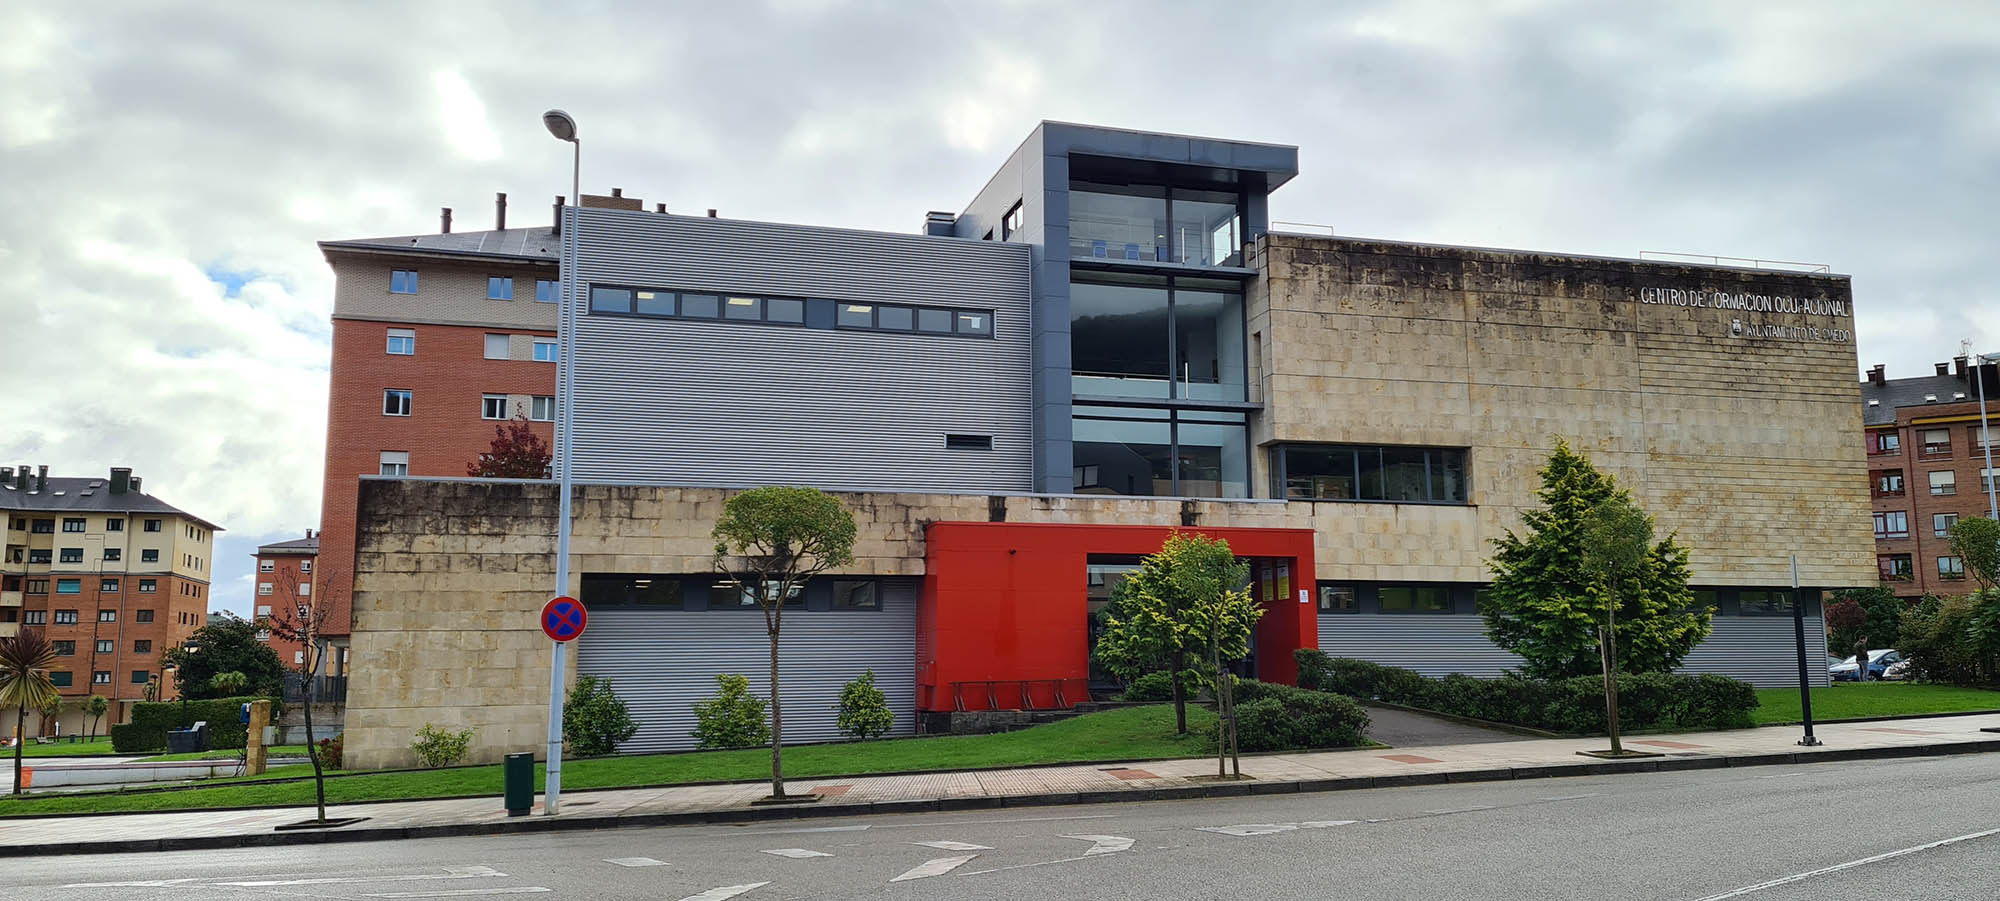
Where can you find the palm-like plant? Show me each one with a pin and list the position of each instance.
(25, 659)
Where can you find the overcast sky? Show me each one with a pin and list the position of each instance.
(165, 169)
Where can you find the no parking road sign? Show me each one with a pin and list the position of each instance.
(563, 618)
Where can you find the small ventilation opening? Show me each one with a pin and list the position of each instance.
(968, 442)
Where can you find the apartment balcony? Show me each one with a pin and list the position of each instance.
(10, 599)
(9, 630)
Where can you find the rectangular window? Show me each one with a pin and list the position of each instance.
(1414, 599)
(113, 554)
(1892, 525)
(403, 281)
(141, 677)
(305, 589)
(1338, 599)
(142, 646)
(59, 679)
(700, 306)
(264, 588)
(152, 525)
(653, 303)
(545, 350)
(743, 308)
(73, 523)
(69, 586)
(403, 342)
(71, 555)
(1944, 483)
(65, 617)
(496, 347)
(1133, 222)
(106, 646)
(937, 321)
(1884, 442)
(1937, 442)
(621, 590)
(1010, 224)
(1760, 602)
(968, 442)
(1435, 475)
(493, 406)
(1985, 480)
(1941, 524)
(149, 555)
(64, 648)
(264, 566)
(855, 315)
(101, 677)
(784, 310)
(976, 324)
(547, 290)
(396, 402)
(610, 300)
(114, 525)
(107, 585)
(146, 586)
(1889, 483)
(36, 617)
(1160, 453)
(542, 408)
(142, 616)
(305, 566)
(895, 319)
(1951, 568)
(499, 288)
(42, 527)
(107, 616)
(1895, 567)
(395, 463)
(855, 595)
(39, 555)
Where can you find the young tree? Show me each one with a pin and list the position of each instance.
(1977, 542)
(25, 659)
(1545, 607)
(226, 645)
(768, 543)
(95, 708)
(1143, 631)
(302, 621)
(1617, 553)
(1211, 583)
(516, 453)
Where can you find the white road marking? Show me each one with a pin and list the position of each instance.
(1104, 844)
(861, 828)
(450, 873)
(1570, 797)
(1800, 877)
(725, 892)
(1250, 829)
(929, 868)
(457, 893)
(1460, 809)
(797, 853)
(143, 883)
(635, 861)
(983, 822)
(953, 846)
(1780, 775)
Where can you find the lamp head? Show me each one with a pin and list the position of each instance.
(560, 124)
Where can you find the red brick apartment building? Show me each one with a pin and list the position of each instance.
(284, 581)
(1927, 468)
(113, 577)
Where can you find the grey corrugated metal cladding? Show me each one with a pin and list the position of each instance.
(677, 401)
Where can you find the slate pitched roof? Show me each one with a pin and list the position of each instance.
(299, 546)
(69, 494)
(519, 243)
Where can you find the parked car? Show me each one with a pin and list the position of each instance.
(1878, 663)
(1898, 671)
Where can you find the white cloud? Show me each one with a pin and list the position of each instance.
(464, 117)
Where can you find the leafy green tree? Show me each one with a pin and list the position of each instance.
(768, 543)
(1143, 632)
(596, 721)
(864, 710)
(1546, 606)
(734, 718)
(226, 645)
(1617, 558)
(228, 685)
(95, 707)
(25, 659)
(1875, 612)
(1977, 542)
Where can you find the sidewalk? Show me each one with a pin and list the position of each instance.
(1087, 784)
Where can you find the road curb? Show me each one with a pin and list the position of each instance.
(734, 816)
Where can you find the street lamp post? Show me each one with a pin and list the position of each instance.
(563, 127)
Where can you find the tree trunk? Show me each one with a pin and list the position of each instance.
(1221, 712)
(1607, 646)
(1180, 694)
(312, 749)
(20, 737)
(777, 726)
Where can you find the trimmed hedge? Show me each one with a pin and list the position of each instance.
(1272, 717)
(1664, 701)
(151, 719)
(1156, 686)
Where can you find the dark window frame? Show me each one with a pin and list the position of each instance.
(504, 282)
(408, 398)
(1280, 472)
(75, 524)
(1768, 602)
(958, 329)
(1010, 223)
(1328, 589)
(402, 281)
(1174, 417)
(42, 527)
(1417, 590)
(874, 594)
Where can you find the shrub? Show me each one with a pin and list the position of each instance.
(1247, 690)
(864, 710)
(1942, 637)
(1283, 718)
(734, 718)
(596, 721)
(438, 747)
(151, 719)
(1154, 686)
(329, 752)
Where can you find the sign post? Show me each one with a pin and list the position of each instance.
(1799, 634)
(563, 619)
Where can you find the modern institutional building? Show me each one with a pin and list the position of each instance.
(1108, 343)
(1928, 465)
(112, 575)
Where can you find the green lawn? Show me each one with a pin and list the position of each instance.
(232, 753)
(1847, 700)
(61, 749)
(1134, 733)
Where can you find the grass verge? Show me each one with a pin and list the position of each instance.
(62, 749)
(1849, 701)
(1133, 733)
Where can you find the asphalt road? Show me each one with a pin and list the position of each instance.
(1690, 835)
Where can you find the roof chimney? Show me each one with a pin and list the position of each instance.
(500, 211)
(1875, 375)
(135, 485)
(557, 229)
(659, 208)
(42, 479)
(617, 192)
(940, 225)
(1944, 369)
(6, 476)
(1958, 365)
(711, 212)
(121, 479)
(444, 221)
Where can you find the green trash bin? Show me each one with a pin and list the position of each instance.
(518, 781)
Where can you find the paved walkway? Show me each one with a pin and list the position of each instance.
(1029, 786)
(1405, 728)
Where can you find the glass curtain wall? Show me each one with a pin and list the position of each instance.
(1157, 337)
(1144, 452)
(1155, 224)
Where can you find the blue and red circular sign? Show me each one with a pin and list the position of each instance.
(564, 618)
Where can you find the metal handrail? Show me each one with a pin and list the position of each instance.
(1714, 260)
(1327, 228)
